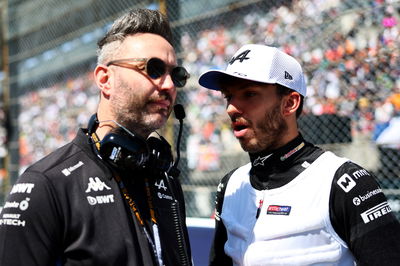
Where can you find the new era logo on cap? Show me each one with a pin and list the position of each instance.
(259, 63)
(288, 76)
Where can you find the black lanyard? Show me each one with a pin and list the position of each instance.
(156, 244)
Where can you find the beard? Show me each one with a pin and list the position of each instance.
(132, 110)
(267, 133)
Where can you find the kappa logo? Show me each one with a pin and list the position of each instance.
(288, 76)
(260, 160)
(95, 184)
(346, 182)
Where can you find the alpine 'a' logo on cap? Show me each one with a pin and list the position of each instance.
(241, 57)
(288, 76)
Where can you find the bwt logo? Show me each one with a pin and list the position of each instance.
(22, 188)
(104, 199)
(346, 182)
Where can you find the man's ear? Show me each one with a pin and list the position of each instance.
(291, 103)
(103, 79)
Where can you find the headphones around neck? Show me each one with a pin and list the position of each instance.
(125, 150)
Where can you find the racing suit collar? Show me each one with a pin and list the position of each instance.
(265, 158)
(267, 166)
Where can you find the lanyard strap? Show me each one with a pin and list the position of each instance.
(156, 244)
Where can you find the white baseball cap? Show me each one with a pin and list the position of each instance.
(259, 63)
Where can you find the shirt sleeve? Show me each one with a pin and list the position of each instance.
(29, 225)
(362, 217)
(217, 253)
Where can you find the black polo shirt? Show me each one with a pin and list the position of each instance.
(67, 209)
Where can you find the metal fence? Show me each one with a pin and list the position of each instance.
(349, 50)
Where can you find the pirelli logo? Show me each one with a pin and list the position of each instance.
(376, 212)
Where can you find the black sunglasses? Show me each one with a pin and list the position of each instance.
(155, 68)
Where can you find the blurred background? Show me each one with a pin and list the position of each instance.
(349, 50)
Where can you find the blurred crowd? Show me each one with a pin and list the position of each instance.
(349, 51)
(50, 117)
(350, 57)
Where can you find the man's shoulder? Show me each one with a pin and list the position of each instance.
(68, 161)
(58, 157)
(238, 171)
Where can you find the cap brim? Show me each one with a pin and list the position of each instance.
(211, 79)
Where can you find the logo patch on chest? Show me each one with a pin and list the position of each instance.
(278, 210)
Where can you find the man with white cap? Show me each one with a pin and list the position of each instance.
(294, 203)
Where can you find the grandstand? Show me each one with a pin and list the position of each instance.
(349, 50)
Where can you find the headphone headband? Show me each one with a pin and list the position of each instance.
(93, 124)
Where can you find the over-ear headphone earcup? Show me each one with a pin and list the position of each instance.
(124, 151)
(160, 155)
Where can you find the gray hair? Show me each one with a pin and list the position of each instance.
(135, 21)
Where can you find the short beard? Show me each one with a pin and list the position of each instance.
(272, 128)
(131, 111)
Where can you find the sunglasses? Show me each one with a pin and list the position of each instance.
(155, 68)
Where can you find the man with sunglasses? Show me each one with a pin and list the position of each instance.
(111, 196)
(294, 203)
